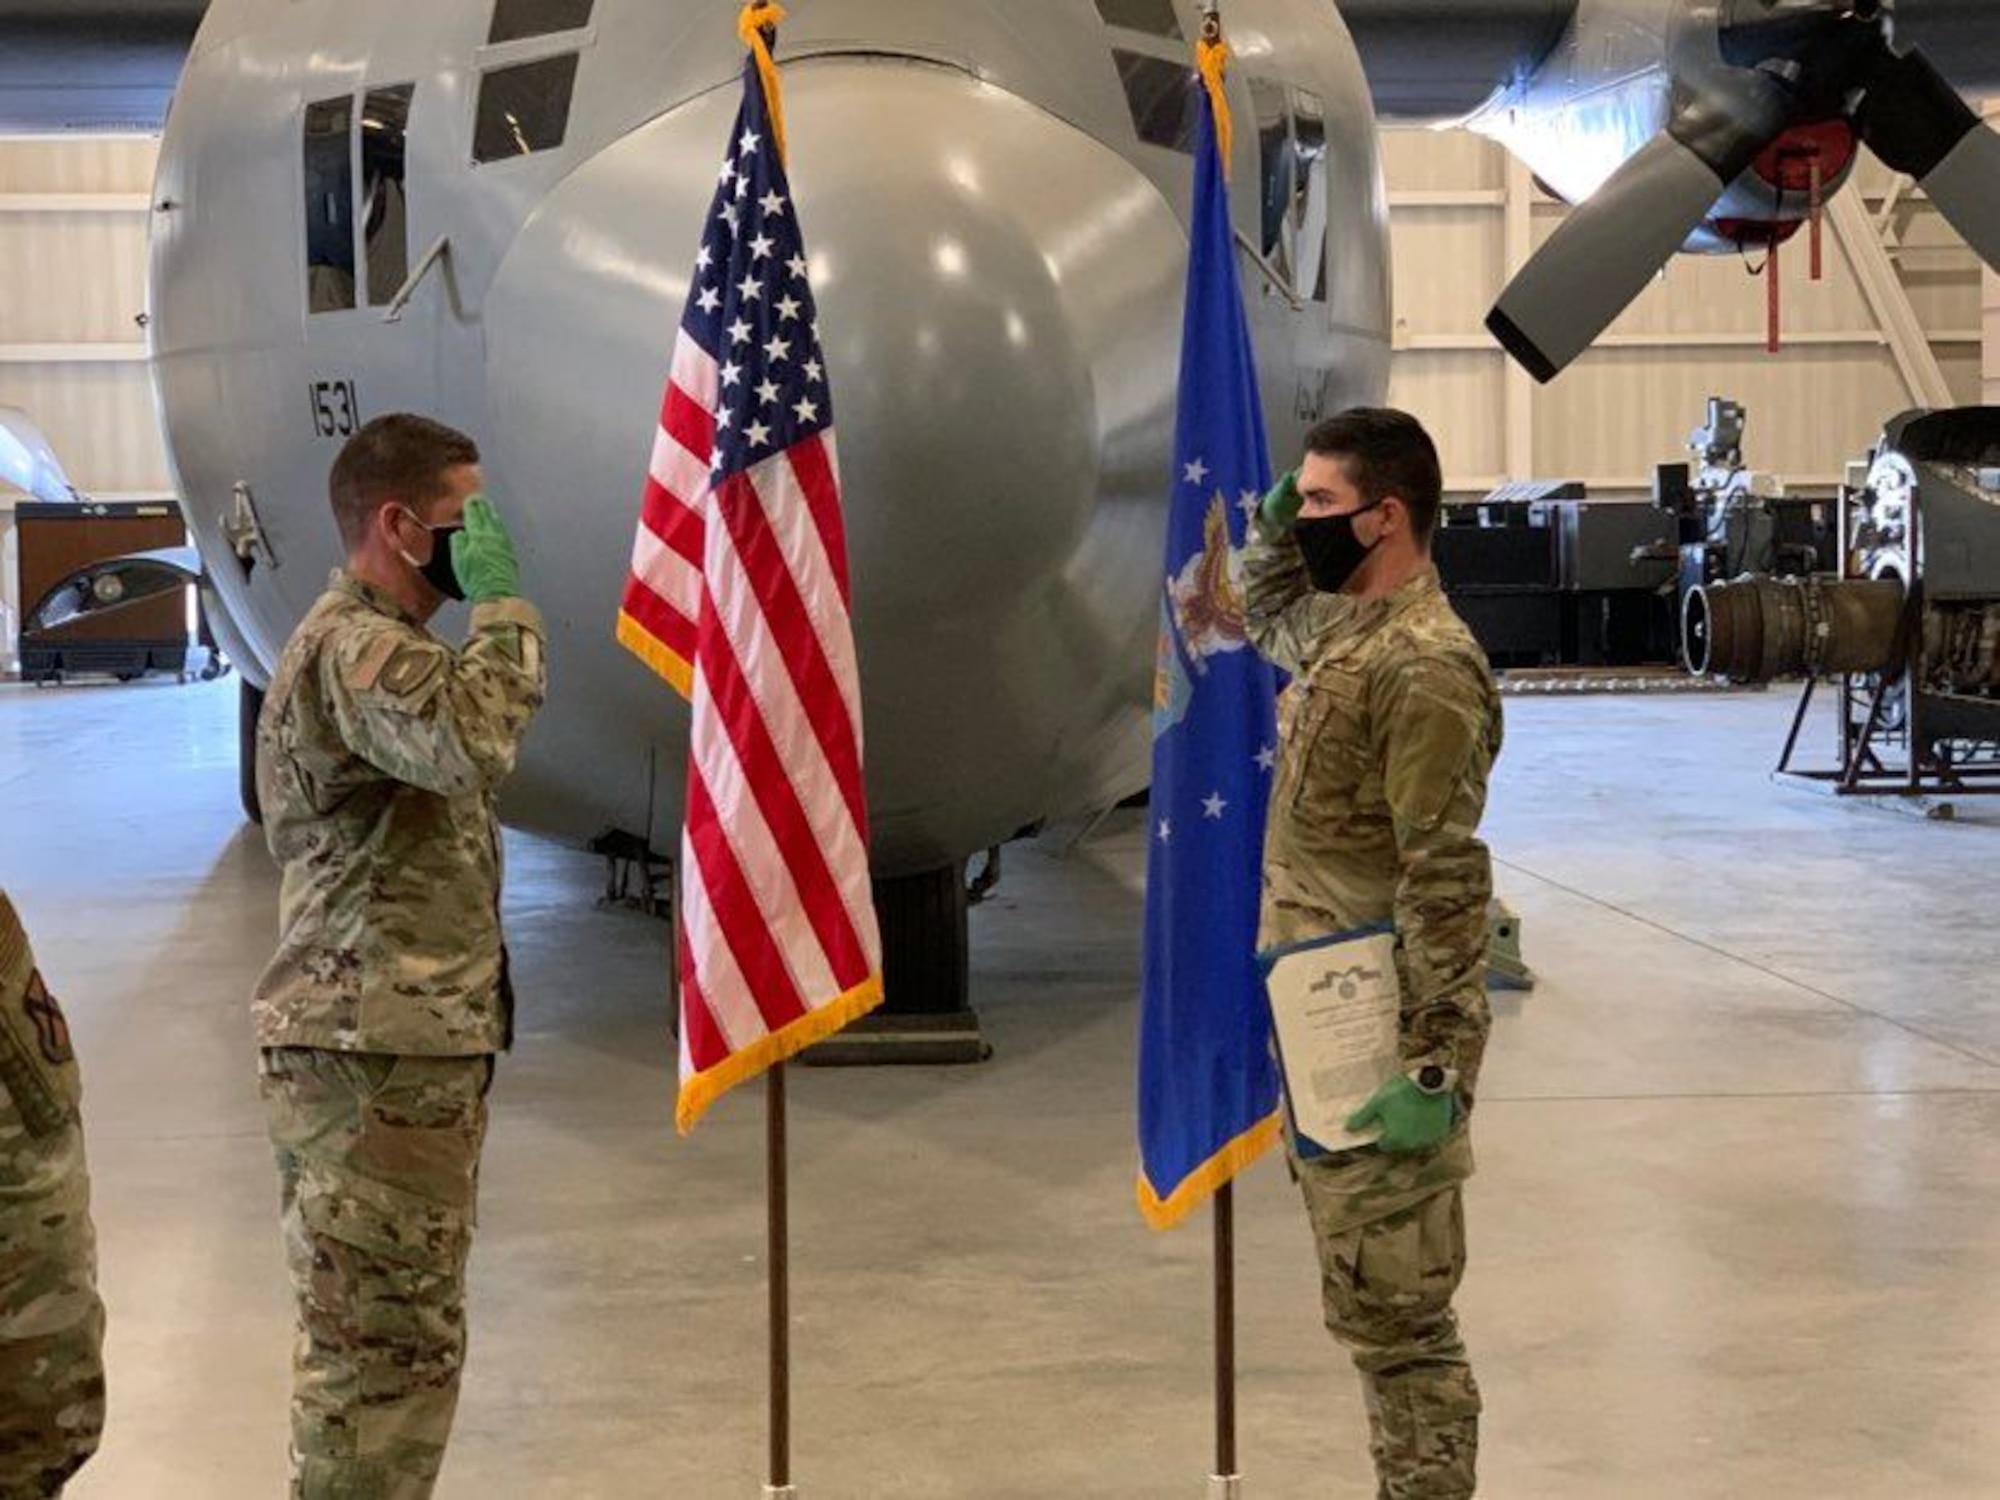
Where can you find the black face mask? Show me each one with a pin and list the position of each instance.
(438, 572)
(1332, 551)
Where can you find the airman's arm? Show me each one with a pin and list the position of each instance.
(1287, 618)
(447, 721)
(1437, 738)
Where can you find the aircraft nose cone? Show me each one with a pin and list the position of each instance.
(999, 307)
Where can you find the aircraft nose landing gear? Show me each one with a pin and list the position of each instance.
(928, 1017)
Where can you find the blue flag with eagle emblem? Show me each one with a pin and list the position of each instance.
(1208, 1084)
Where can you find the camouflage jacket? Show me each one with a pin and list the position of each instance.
(38, 1078)
(51, 1321)
(1387, 734)
(379, 754)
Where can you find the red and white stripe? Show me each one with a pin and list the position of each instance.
(739, 595)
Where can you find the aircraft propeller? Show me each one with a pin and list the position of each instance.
(1785, 63)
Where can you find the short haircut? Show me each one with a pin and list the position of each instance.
(1387, 453)
(396, 459)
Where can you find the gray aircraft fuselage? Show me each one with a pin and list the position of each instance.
(998, 259)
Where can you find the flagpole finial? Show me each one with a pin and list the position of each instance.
(757, 25)
(1212, 57)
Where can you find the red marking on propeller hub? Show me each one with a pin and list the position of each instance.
(1787, 163)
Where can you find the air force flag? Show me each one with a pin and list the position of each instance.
(1208, 1086)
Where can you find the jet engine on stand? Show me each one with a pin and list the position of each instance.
(1910, 627)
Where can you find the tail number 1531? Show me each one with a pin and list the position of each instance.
(336, 410)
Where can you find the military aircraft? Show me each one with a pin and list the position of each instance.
(488, 209)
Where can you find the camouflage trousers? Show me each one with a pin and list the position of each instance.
(1387, 1282)
(379, 1160)
(51, 1321)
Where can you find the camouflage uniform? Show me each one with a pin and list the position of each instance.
(1388, 733)
(379, 754)
(51, 1322)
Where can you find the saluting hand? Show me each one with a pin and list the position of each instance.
(1282, 505)
(483, 554)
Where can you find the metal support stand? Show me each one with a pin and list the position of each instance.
(1225, 1483)
(779, 1194)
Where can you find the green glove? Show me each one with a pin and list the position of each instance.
(483, 555)
(1411, 1120)
(1280, 510)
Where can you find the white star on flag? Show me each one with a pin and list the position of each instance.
(709, 300)
(1166, 830)
(776, 350)
(704, 258)
(751, 289)
(788, 308)
(772, 204)
(757, 434)
(761, 246)
(797, 266)
(1196, 472)
(1250, 503)
(730, 374)
(768, 392)
(813, 371)
(1212, 805)
(740, 331)
(1267, 758)
(806, 411)
(750, 142)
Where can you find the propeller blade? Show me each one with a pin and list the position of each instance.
(1603, 255)
(1917, 123)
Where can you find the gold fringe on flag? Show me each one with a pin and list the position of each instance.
(759, 17)
(1212, 57)
(1209, 1178)
(702, 1090)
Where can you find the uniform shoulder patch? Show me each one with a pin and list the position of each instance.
(410, 668)
(399, 663)
(364, 663)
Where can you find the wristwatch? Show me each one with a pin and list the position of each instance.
(1433, 1079)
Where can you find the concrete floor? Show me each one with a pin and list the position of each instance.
(1735, 1235)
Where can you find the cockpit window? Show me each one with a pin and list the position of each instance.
(1160, 95)
(1154, 16)
(515, 19)
(385, 216)
(524, 109)
(1274, 157)
(329, 183)
(1291, 152)
(1309, 196)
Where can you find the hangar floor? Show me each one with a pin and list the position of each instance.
(1734, 1233)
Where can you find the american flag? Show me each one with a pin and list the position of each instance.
(739, 597)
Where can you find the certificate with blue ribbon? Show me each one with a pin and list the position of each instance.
(1336, 1010)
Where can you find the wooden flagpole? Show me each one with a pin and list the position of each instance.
(780, 1270)
(1225, 1483)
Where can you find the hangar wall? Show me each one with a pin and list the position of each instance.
(1465, 214)
(1991, 308)
(73, 216)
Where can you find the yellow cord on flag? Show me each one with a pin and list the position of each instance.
(758, 18)
(1212, 57)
